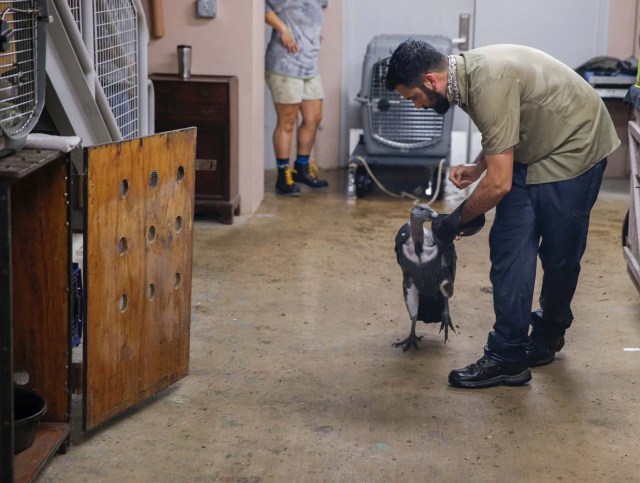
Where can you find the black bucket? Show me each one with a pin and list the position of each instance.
(28, 408)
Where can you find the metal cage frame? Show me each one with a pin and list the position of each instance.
(23, 30)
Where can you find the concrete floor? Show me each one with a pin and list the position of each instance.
(293, 377)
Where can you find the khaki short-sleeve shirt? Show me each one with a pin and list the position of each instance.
(523, 98)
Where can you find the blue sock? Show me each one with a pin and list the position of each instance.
(282, 163)
(302, 159)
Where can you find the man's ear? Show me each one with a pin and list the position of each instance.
(430, 80)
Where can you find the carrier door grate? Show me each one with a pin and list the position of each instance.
(400, 124)
(18, 73)
(116, 60)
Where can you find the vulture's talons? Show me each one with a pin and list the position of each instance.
(446, 324)
(408, 343)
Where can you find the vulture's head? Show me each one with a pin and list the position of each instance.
(421, 213)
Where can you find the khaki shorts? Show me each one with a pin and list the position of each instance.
(292, 90)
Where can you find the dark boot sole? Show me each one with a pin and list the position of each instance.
(504, 380)
(310, 185)
(290, 194)
(545, 361)
(542, 362)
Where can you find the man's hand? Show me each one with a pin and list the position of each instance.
(464, 175)
(288, 41)
(286, 38)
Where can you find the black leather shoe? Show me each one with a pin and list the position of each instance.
(307, 173)
(541, 352)
(486, 373)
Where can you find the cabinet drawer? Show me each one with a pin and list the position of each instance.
(190, 112)
(193, 91)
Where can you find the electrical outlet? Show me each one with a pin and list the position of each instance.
(207, 8)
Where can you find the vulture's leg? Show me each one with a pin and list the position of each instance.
(445, 323)
(411, 299)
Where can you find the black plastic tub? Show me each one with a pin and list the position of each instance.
(28, 410)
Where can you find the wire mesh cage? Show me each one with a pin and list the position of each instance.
(392, 125)
(22, 69)
(76, 10)
(116, 60)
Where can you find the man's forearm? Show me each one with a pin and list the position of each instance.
(480, 161)
(274, 21)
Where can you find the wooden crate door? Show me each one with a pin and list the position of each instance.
(138, 253)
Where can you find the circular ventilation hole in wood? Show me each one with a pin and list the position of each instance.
(122, 246)
(124, 188)
(123, 303)
(180, 174)
(154, 179)
(151, 233)
(177, 279)
(178, 224)
(151, 291)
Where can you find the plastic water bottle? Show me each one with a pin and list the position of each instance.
(351, 181)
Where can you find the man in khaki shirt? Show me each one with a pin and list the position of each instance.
(545, 138)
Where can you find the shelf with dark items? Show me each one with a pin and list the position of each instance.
(210, 103)
(34, 305)
(610, 86)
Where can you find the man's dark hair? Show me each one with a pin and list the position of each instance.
(410, 60)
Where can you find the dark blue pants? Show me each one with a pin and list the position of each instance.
(550, 220)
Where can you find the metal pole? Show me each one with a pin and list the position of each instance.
(6, 338)
(472, 45)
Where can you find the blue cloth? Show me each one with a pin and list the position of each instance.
(304, 19)
(550, 220)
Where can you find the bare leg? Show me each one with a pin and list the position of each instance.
(283, 134)
(311, 117)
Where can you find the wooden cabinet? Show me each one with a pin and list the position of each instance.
(138, 238)
(210, 103)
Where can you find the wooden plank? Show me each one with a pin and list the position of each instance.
(25, 162)
(49, 438)
(40, 258)
(136, 248)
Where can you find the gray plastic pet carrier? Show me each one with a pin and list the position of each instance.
(395, 133)
(23, 38)
(392, 125)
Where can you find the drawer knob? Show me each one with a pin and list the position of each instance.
(204, 93)
(206, 112)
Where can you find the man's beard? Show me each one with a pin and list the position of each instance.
(441, 104)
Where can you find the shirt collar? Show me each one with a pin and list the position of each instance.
(453, 92)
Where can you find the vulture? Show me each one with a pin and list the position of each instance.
(428, 271)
